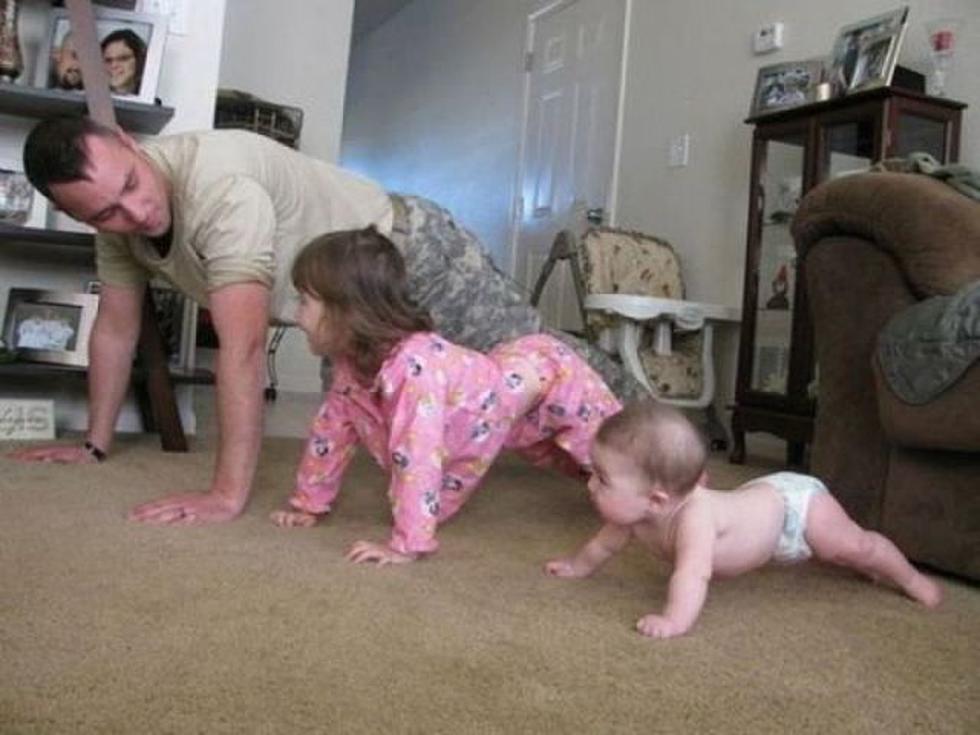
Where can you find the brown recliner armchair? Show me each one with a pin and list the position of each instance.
(871, 245)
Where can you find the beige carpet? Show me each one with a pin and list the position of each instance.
(109, 627)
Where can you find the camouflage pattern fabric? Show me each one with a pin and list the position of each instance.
(472, 302)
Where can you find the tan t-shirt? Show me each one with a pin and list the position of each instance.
(243, 205)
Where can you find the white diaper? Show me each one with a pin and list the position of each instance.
(796, 490)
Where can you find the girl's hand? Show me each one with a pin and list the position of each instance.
(657, 626)
(564, 567)
(363, 551)
(294, 519)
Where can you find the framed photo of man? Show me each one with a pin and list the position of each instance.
(865, 52)
(131, 45)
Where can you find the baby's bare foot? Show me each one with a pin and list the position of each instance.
(924, 590)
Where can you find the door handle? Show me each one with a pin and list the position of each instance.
(595, 215)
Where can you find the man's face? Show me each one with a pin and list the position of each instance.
(68, 68)
(122, 192)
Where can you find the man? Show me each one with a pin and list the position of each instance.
(67, 69)
(221, 215)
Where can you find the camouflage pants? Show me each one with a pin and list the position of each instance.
(472, 302)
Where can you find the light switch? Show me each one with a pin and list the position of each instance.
(768, 37)
(677, 154)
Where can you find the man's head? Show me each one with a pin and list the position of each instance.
(98, 175)
(646, 453)
(67, 68)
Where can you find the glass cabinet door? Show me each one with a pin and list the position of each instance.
(780, 188)
(920, 134)
(849, 146)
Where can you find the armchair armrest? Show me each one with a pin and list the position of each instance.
(929, 228)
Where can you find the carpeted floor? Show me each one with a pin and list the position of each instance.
(110, 627)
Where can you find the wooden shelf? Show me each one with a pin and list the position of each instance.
(23, 101)
(17, 235)
(200, 376)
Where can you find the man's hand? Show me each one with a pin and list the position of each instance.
(294, 519)
(565, 567)
(657, 626)
(61, 453)
(186, 509)
(363, 551)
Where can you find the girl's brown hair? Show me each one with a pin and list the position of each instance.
(665, 445)
(360, 275)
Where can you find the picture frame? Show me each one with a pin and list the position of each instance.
(865, 53)
(127, 38)
(786, 84)
(50, 326)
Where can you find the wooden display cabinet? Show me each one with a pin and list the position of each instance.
(793, 151)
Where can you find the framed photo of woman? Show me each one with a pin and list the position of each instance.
(131, 44)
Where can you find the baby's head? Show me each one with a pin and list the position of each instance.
(647, 454)
(354, 301)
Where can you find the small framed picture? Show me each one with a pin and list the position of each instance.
(789, 84)
(865, 52)
(50, 326)
(132, 47)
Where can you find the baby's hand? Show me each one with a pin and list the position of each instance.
(363, 551)
(294, 519)
(564, 567)
(657, 626)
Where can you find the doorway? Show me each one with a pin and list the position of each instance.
(574, 67)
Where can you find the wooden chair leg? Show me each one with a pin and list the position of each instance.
(159, 387)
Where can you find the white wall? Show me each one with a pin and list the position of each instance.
(700, 82)
(188, 81)
(293, 52)
(433, 107)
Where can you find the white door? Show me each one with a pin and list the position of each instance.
(575, 50)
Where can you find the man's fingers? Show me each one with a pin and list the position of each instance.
(158, 514)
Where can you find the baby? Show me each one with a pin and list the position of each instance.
(648, 481)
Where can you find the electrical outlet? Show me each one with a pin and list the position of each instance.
(767, 38)
(677, 153)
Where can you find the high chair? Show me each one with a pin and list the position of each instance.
(631, 294)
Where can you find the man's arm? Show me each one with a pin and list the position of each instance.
(610, 540)
(111, 347)
(240, 313)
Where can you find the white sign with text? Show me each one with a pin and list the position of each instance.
(26, 419)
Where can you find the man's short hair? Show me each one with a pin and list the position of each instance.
(54, 152)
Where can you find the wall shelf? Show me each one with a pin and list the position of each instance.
(15, 235)
(197, 376)
(23, 101)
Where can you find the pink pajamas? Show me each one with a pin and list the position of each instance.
(437, 415)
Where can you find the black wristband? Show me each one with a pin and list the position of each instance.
(95, 451)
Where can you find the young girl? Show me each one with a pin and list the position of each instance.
(432, 413)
